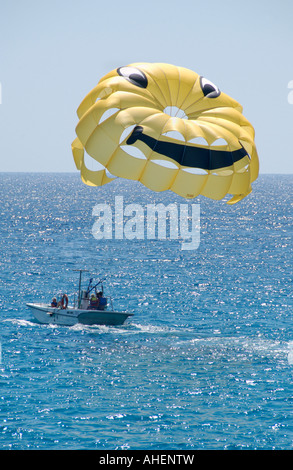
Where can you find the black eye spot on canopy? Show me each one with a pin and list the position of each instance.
(133, 75)
(209, 89)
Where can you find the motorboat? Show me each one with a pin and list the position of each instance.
(90, 308)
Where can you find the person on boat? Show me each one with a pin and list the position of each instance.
(63, 302)
(94, 302)
(102, 301)
(54, 302)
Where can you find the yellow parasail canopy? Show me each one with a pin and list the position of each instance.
(168, 128)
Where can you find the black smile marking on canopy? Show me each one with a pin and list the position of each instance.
(187, 155)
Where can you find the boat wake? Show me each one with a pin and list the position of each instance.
(246, 347)
(218, 345)
(290, 352)
(20, 322)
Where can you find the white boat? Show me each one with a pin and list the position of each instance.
(84, 313)
(70, 316)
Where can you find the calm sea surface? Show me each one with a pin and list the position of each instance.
(205, 363)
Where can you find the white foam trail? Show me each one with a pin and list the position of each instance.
(17, 321)
(152, 329)
(290, 353)
(98, 328)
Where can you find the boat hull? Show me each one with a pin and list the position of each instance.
(71, 316)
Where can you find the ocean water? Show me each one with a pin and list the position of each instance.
(206, 361)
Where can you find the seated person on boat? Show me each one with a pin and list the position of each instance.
(97, 302)
(102, 301)
(94, 302)
(54, 302)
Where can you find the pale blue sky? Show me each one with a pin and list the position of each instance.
(52, 53)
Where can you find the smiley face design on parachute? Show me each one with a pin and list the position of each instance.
(169, 128)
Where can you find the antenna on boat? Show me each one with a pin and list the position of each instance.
(79, 286)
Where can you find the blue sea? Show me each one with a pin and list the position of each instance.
(205, 362)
